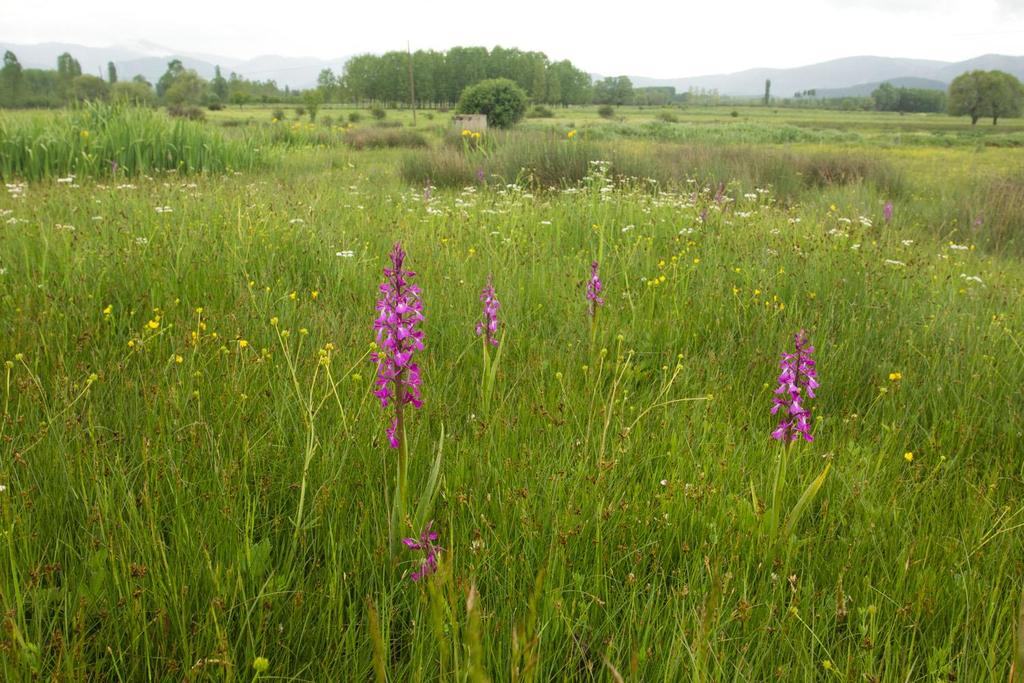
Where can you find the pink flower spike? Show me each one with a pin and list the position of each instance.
(594, 289)
(488, 327)
(425, 544)
(400, 311)
(798, 378)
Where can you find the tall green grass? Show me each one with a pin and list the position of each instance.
(100, 140)
(597, 522)
(548, 160)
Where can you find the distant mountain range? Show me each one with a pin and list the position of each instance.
(836, 78)
(841, 77)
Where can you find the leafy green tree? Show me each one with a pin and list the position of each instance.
(618, 90)
(91, 88)
(186, 89)
(41, 88)
(361, 76)
(136, 92)
(313, 98)
(240, 98)
(111, 73)
(985, 93)
(655, 96)
(68, 67)
(174, 70)
(1003, 95)
(327, 84)
(767, 91)
(219, 85)
(501, 99)
(11, 80)
(967, 95)
(467, 65)
(573, 85)
(539, 86)
(886, 97)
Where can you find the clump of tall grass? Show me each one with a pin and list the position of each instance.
(99, 140)
(554, 161)
(990, 212)
(292, 135)
(377, 138)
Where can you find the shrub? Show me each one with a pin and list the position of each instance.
(378, 137)
(540, 112)
(354, 117)
(278, 114)
(606, 111)
(500, 99)
(129, 92)
(734, 114)
(378, 113)
(182, 111)
(668, 117)
(300, 111)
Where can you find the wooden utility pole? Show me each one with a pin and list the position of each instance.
(412, 85)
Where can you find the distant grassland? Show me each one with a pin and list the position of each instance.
(954, 178)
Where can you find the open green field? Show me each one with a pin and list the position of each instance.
(195, 476)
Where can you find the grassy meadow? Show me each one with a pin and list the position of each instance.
(196, 482)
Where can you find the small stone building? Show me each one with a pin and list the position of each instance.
(476, 123)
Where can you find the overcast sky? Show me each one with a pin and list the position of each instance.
(639, 37)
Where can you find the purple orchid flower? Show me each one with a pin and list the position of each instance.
(797, 382)
(488, 327)
(400, 310)
(425, 544)
(594, 289)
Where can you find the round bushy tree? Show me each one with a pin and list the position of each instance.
(501, 99)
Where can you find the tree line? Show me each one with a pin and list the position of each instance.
(439, 77)
(178, 86)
